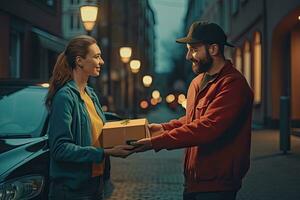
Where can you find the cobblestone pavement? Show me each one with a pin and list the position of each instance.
(148, 175)
(158, 176)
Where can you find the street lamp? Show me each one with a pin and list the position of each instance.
(147, 80)
(181, 98)
(125, 54)
(88, 15)
(155, 94)
(144, 104)
(135, 66)
(170, 98)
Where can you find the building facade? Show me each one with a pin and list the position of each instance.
(71, 21)
(31, 38)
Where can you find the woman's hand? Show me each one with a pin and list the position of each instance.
(121, 151)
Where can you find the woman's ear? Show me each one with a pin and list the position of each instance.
(78, 61)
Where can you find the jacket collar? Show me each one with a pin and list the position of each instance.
(223, 70)
(72, 85)
(227, 66)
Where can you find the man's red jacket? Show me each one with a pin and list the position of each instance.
(216, 132)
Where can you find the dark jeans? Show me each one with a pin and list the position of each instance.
(226, 195)
(91, 190)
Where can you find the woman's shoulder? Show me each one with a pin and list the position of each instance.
(64, 93)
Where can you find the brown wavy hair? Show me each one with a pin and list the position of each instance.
(66, 63)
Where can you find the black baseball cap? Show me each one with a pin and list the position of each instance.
(205, 32)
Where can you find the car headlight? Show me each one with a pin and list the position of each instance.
(25, 187)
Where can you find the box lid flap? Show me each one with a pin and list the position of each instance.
(126, 123)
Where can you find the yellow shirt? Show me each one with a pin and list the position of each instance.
(96, 127)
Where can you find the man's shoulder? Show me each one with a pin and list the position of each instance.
(198, 77)
(234, 75)
(236, 81)
(196, 80)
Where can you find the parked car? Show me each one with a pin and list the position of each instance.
(24, 150)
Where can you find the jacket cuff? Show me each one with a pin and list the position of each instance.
(159, 142)
(99, 155)
(166, 126)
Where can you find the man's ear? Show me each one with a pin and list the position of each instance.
(78, 61)
(213, 49)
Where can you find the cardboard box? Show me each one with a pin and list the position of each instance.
(120, 132)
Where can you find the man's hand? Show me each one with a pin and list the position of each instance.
(143, 145)
(121, 151)
(155, 129)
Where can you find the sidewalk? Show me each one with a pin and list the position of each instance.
(272, 175)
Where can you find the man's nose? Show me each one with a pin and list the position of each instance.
(188, 55)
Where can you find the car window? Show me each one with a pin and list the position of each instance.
(22, 111)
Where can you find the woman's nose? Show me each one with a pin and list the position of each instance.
(101, 61)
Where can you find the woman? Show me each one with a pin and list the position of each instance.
(76, 121)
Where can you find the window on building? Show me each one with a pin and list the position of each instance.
(71, 2)
(71, 22)
(257, 67)
(78, 22)
(238, 59)
(15, 54)
(247, 61)
(226, 17)
(221, 14)
(49, 5)
(50, 2)
(234, 6)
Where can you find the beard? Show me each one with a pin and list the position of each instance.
(203, 65)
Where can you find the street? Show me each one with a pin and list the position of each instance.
(151, 175)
